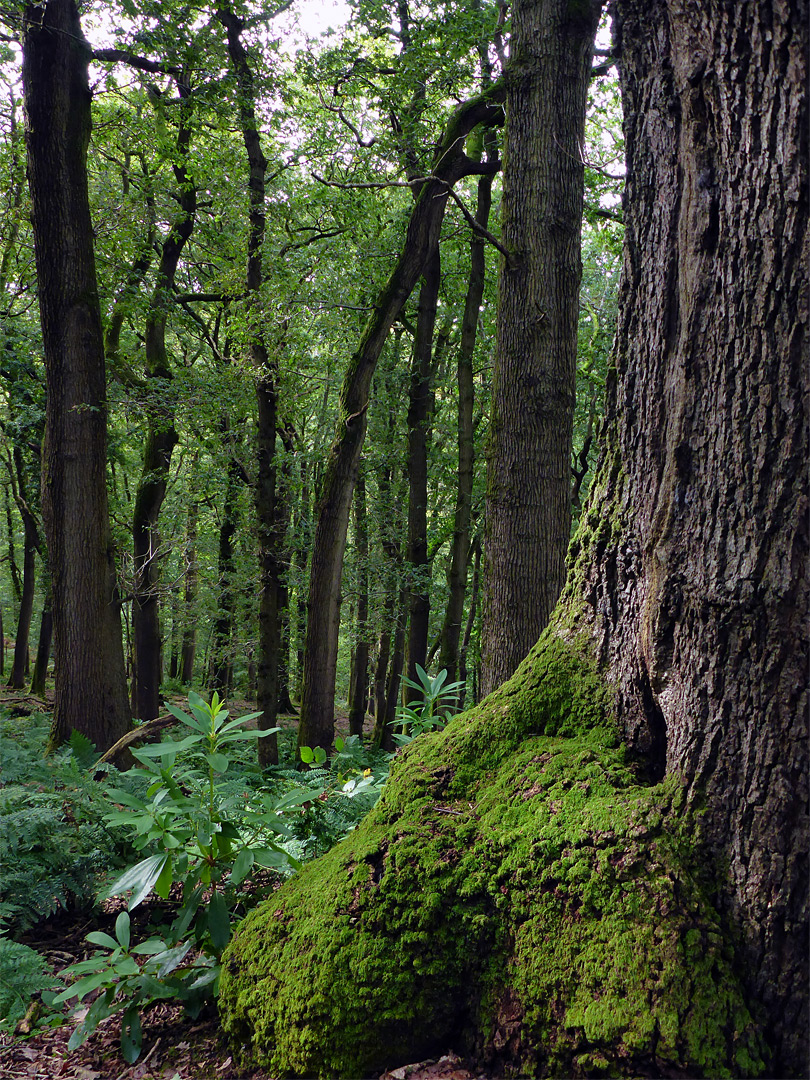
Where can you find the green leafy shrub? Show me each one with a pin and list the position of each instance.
(433, 709)
(201, 840)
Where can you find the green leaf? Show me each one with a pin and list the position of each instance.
(218, 762)
(164, 882)
(185, 718)
(320, 755)
(299, 796)
(122, 929)
(101, 1008)
(233, 724)
(219, 921)
(275, 859)
(243, 736)
(243, 864)
(126, 966)
(98, 937)
(140, 879)
(307, 756)
(171, 959)
(131, 1039)
(155, 750)
(339, 744)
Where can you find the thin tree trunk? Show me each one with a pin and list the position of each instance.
(528, 509)
(475, 550)
(13, 569)
(189, 646)
(419, 408)
(43, 648)
(91, 692)
(266, 396)
(316, 726)
(358, 697)
(221, 645)
(460, 549)
(161, 436)
(18, 669)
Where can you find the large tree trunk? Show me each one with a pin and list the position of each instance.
(576, 915)
(528, 512)
(90, 686)
(698, 594)
(316, 726)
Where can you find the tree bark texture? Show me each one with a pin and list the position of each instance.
(316, 726)
(91, 692)
(528, 507)
(696, 587)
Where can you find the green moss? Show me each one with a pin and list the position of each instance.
(515, 891)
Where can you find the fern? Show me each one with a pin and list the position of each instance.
(23, 973)
(54, 843)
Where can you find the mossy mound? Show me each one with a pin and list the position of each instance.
(516, 893)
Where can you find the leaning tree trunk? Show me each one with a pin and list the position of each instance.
(91, 692)
(316, 725)
(528, 510)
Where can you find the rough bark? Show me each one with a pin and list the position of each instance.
(316, 725)
(90, 693)
(528, 508)
(700, 606)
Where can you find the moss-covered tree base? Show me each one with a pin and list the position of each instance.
(518, 894)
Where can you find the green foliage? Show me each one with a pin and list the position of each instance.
(202, 844)
(23, 973)
(54, 841)
(432, 710)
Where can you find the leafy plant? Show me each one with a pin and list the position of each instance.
(432, 710)
(204, 842)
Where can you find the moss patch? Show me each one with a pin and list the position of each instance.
(515, 891)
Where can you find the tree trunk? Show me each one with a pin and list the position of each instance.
(161, 437)
(468, 629)
(528, 511)
(575, 917)
(358, 696)
(705, 631)
(460, 549)
(222, 637)
(316, 726)
(18, 668)
(266, 397)
(90, 687)
(419, 408)
(189, 646)
(43, 648)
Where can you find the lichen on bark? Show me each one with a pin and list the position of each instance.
(517, 892)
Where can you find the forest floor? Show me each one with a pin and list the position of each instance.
(175, 1047)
